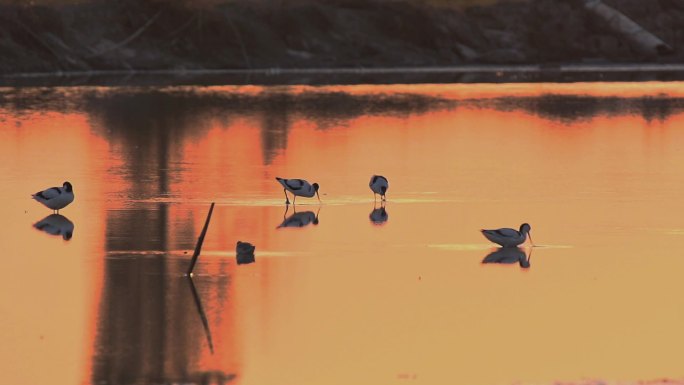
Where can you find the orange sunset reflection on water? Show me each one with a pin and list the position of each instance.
(348, 291)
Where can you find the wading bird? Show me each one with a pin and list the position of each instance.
(508, 237)
(379, 185)
(56, 198)
(298, 187)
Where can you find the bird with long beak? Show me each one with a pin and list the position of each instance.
(298, 187)
(509, 237)
(379, 185)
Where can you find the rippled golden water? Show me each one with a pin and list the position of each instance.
(596, 169)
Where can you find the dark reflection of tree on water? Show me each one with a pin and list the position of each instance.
(149, 131)
(276, 122)
(149, 122)
(571, 108)
(152, 327)
(146, 333)
(654, 109)
(148, 328)
(187, 109)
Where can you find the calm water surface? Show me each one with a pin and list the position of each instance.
(364, 296)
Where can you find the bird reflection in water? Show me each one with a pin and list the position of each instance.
(244, 253)
(56, 224)
(300, 219)
(508, 255)
(379, 215)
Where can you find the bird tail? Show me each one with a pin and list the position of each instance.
(279, 179)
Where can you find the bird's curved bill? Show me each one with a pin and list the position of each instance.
(317, 196)
(529, 235)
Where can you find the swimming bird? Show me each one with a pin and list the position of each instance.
(508, 237)
(244, 248)
(56, 224)
(298, 187)
(56, 198)
(244, 253)
(379, 185)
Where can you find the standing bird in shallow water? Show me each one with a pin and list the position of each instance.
(298, 187)
(509, 237)
(379, 185)
(56, 198)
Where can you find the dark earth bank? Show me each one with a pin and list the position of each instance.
(174, 35)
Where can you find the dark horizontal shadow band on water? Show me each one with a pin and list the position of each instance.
(358, 75)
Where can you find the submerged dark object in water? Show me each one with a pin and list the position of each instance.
(245, 253)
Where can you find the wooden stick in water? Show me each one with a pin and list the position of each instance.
(200, 240)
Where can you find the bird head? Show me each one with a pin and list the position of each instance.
(315, 186)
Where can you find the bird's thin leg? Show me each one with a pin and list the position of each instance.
(375, 197)
(384, 198)
(294, 199)
(287, 207)
(287, 200)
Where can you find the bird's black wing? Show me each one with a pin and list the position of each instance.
(294, 184)
(49, 193)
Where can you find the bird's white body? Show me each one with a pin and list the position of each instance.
(298, 187)
(508, 237)
(379, 185)
(55, 198)
(56, 224)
